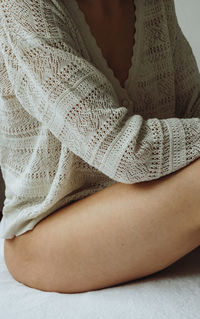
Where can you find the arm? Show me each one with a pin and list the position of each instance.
(77, 103)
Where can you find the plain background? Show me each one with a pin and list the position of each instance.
(188, 16)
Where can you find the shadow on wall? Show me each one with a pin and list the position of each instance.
(2, 191)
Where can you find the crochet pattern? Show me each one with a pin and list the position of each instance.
(63, 132)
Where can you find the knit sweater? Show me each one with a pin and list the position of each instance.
(67, 127)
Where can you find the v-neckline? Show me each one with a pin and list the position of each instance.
(99, 55)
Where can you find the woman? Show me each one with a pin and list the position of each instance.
(100, 141)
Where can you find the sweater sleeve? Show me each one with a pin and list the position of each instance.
(76, 102)
(187, 76)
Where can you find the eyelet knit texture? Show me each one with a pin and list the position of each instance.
(64, 133)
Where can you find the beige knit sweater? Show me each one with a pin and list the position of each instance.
(67, 127)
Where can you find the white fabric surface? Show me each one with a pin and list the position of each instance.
(173, 293)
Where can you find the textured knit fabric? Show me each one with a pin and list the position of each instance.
(65, 132)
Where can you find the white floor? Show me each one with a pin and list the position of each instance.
(173, 293)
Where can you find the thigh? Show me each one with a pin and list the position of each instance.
(120, 233)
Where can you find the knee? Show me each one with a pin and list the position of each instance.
(31, 269)
(17, 259)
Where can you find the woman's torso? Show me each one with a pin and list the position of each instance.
(149, 91)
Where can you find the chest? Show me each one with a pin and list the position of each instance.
(114, 36)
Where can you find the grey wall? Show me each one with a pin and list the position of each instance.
(188, 16)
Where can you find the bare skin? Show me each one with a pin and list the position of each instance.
(116, 45)
(122, 233)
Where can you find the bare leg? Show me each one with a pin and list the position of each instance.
(121, 233)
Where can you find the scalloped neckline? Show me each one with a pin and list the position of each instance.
(99, 50)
